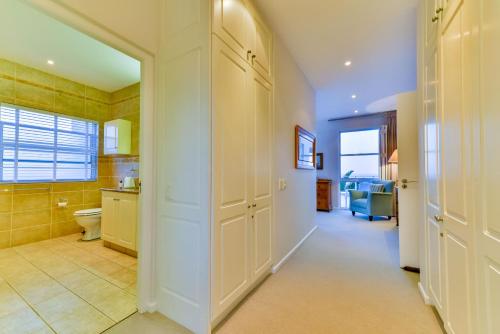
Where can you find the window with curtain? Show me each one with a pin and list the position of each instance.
(39, 146)
(360, 153)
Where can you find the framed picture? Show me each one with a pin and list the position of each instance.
(319, 160)
(305, 149)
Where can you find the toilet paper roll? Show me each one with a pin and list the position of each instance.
(62, 204)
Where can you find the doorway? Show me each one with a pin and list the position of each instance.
(52, 253)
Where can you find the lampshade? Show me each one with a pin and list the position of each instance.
(394, 157)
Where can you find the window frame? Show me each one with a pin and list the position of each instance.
(15, 180)
(358, 154)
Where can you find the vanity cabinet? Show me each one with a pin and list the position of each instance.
(119, 219)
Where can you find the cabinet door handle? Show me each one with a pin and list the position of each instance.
(439, 10)
(438, 218)
(253, 58)
(435, 18)
(249, 52)
(116, 199)
(254, 205)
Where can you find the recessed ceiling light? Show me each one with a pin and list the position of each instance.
(353, 96)
(50, 62)
(355, 111)
(348, 63)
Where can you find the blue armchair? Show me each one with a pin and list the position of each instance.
(370, 203)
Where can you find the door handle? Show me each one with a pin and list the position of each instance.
(438, 218)
(407, 181)
(254, 205)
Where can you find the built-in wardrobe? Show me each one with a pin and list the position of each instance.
(459, 77)
(215, 170)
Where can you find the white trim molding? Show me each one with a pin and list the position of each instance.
(277, 267)
(424, 294)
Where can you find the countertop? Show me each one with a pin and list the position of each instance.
(122, 190)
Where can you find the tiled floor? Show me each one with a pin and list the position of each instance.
(65, 285)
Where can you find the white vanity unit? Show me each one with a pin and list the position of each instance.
(119, 217)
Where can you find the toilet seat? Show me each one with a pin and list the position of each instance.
(88, 212)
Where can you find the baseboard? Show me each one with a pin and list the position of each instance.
(424, 294)
(147, 308)
(277, 267)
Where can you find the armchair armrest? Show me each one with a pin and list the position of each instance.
(380, 203)
(356, 194)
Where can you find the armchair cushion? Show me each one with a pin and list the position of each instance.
(377, 188)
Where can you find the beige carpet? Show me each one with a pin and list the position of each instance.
(345, 279)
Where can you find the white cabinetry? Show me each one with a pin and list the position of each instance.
(461, 134)
(119, 219)
(117, 136)
(215, 126)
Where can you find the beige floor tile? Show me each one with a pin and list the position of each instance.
(36, 292)
(86, 321)
(117, 305)
(77, 278)
(122, 278)
(132, 289)
(23, 321)
(60, 306)
(125, 260)
(55, 266)
(16, 268)
(106, 253)
(7, 252)
(104, 268)
(71, 237)
(28, 278)
(10, 301)
(96, 290)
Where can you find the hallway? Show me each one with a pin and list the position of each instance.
(344, 279)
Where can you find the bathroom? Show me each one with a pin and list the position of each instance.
(69, 180)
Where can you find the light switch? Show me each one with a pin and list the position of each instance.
(281, 184)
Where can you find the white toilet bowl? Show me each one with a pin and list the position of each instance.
(90, 220)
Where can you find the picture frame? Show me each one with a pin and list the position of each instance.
(319, 160)
(305, 149)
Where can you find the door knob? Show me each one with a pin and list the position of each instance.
(435, 18)
(438, 218)
(439, 10)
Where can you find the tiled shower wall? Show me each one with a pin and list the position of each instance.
(29, 212)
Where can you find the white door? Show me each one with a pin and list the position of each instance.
(408, 172)
(231, 164)
(456, 162)
(261, 167)
(432, 188)
(487, 153)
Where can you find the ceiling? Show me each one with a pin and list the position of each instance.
(31, 38)
(379, 37)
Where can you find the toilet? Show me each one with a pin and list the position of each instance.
(90, 220)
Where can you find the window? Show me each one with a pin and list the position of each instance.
(38, 146)
(359, 153)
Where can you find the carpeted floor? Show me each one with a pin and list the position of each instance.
(344, 279)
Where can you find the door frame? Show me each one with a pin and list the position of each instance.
(147, 222)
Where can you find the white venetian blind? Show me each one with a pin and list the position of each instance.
(38, 146)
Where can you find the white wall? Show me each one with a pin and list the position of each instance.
(294, 105)
(137, 21)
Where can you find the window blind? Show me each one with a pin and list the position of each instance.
(38, 146)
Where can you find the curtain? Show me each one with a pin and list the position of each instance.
(388, 143)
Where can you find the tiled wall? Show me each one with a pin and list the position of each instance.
(29, 212)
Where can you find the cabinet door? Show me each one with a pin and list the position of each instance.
(261, 47)
(126, 221)
(487, 122)
(432, 185)
(230, 113)
(232, 24)
(108, 218)
(261, 129)
(456, 161)
(431, 23)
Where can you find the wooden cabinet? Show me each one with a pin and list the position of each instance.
(242, 130)
(239, 25)
(324, 195)
(119, 219)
